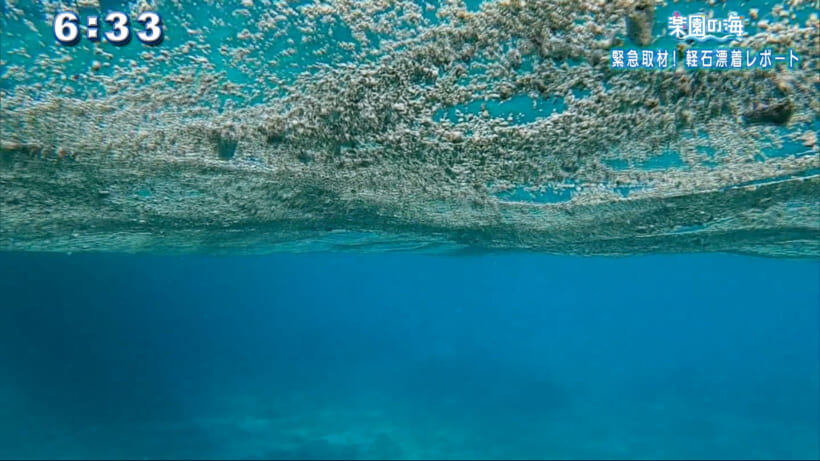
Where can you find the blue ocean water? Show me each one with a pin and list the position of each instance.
(405, 356)
(319, 356)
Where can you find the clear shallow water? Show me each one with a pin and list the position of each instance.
(408, 356)
(317, 356)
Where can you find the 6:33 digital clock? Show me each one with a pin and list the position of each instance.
(67, 29)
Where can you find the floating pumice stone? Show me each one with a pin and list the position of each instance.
(639, 22)
(777, 113)
(503, 127)
(225, 147)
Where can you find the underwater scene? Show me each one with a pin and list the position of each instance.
(409, 229)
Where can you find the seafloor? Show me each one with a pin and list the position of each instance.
(494, 132)
(319, 356)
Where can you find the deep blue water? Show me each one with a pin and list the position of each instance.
(399, 355)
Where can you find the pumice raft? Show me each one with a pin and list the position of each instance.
(639, 22)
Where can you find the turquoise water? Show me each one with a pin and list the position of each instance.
(125, 171)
